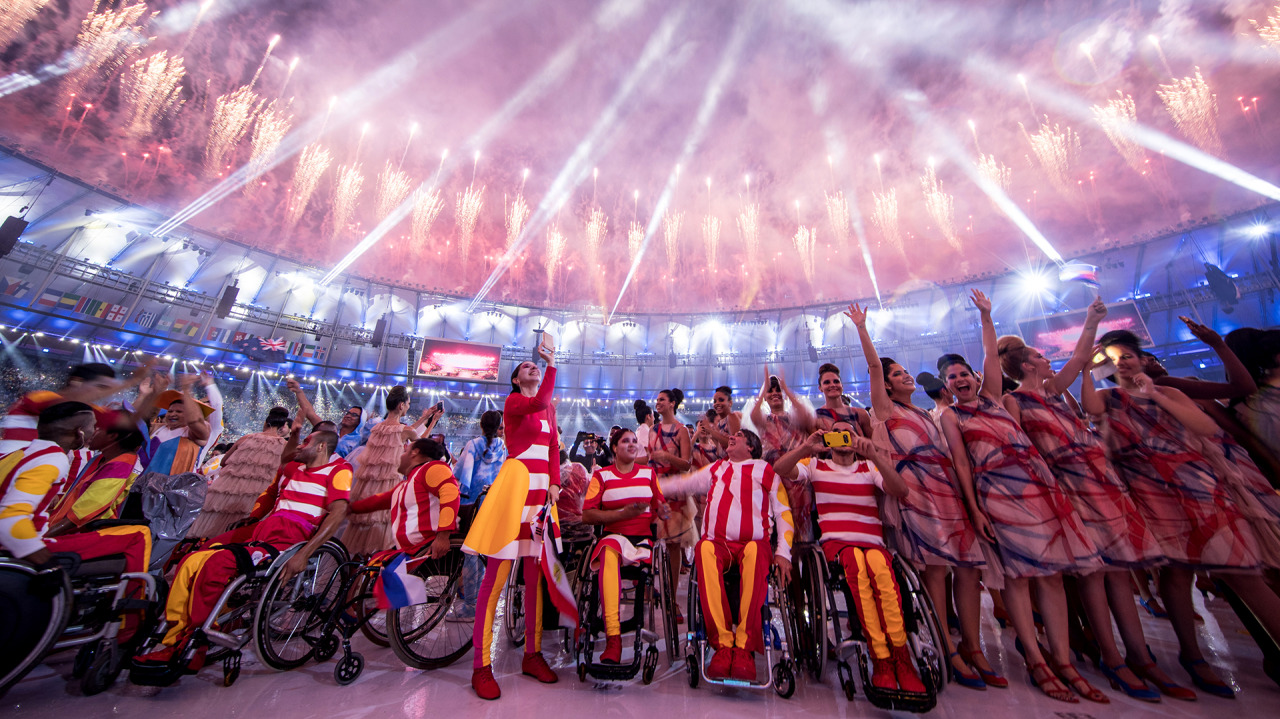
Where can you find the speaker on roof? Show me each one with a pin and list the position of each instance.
(379, 332)
(227, 301)
(10, 231)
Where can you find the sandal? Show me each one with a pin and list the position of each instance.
(990, 677)
(1080, 684)
(970, 681)
(1049, 683)
(1169, 689)
(1214, 686)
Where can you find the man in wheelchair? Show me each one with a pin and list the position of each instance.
(844, 490)
(310, 502)
(625, 498)
(745, 503)
(424, 506)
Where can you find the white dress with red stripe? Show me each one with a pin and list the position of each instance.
(845, 500)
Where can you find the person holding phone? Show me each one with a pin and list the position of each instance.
(503, 530)
(781, 430)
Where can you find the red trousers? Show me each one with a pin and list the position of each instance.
(203, 575)
(714, 557)
(134, 542)
(869, 572)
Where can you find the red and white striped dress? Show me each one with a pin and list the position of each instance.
(845, 500)
(610, 490)
(744, 502)
(532, 440)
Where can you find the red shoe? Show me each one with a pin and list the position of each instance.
(744, 665)
(612, 650)
(883, 675)
(160, 656)
(485, 685)
(721, 664)
(905, 668)
(535, 666)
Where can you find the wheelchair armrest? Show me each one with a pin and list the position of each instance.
(97, 524)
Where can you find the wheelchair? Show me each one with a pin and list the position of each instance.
(74, 603)
(778, 632)
(651, 587)
(285, 620)
(573, 554)
(829, 596)
(430, 635)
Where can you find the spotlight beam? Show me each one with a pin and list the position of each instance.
(578, 166)
(724, 72)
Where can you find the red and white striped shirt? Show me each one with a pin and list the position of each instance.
(744, 502)
(32, 478)
(307, 493)
(425, 503)
(845, 500)
(610, 489)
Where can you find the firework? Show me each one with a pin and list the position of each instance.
(940, 206)
(233, 114)
(996, 172)
(806, 240)
(14, 16)
(106, 40)
(749, 228)
(268, 132)
(466, 212)
(671, 236)
(711, 238)
(556, 243)
(838, 216)
(1056, 149)
(516, 215)
(427, 205)
(1194, 109)
(1270, 32)
(312, 163)
(884, 213)
(597, 226)
(152, 87)
(635, 239)
(393, 186)
(1116, 118)
(346, 193)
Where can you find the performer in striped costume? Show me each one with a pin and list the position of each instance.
(306, 503)
(527, 485)
(625, 498)
(745, 503)
(424, 507)
(844, 490)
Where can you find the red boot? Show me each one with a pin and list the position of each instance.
(485, 685)
(721, 663)
(535, 666)
(883, 675)
(744, 665)
(612, 650)
(905, 668)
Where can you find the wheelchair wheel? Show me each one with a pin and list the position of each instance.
(667, 593)
(231, 669)
(427, 636)
(928, 641)
(289, 618)
(695, 671)
(103, 668)
(845, 673)
(784, 680)
(34, 609)
(373, 621)
(348, 669)
(812, 617)
(513, 616)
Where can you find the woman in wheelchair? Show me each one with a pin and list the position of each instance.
(308, 490)
(624, 497)
(745, 503)
(844, 490)
(424, 507)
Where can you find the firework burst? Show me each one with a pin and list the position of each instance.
(597, 226)
(838, 216)
(105, 41)
(996, 172)
(556, 243)
(346, 194)
(427, 205)
(635, 240)
(233, 114)
(1056, 149)
(153, 89)
(1270, 32)
(312, 163)
(671, 238)
(749, 228)
(466, 212)
(14, 16)
(268, 132)
(516, 215)
(393, 186)
(806, 241)
(940, 206)
(711, 239)
(1116, 118)
(884, 213)
(1194, 109)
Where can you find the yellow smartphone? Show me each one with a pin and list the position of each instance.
(837, 439)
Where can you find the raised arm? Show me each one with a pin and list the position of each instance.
(991, 375)
(801, 413)
(305, 408)
(1091, 400)
(786, 466)
(680, 486)
(880, 400)
(1066, 376)
(1239, 382)
(197, 426)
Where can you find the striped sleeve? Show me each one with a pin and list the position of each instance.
(104, 493)
(780, 506)
(595, 492)
(18, 532)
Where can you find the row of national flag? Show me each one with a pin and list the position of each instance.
(18, 288)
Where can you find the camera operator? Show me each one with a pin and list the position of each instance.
(591, 452)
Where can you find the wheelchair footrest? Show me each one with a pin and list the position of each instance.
(898, 700)
(613, 672)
